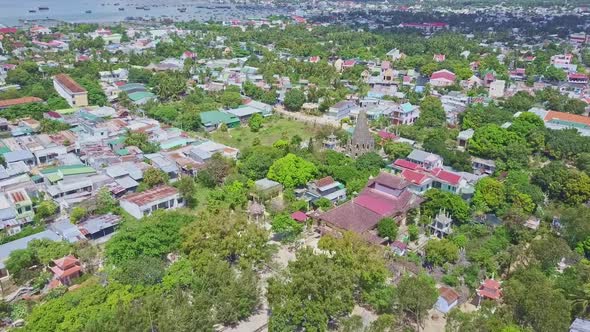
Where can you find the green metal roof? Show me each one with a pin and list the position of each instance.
(217, 117)
(116, 141)
(4, 150)
(54, 177)
(122, 152)
(135, 96)
(69, 170)
(131, 86)
(77, 171)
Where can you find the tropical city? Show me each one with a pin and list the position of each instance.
(284, 165)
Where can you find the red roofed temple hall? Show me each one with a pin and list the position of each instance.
(386, 195)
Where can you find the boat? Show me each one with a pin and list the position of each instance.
(121, 9)
(88, 12)
(32, 11)
(182, 10)
(43, 8)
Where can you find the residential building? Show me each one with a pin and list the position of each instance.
(213, 119)
(327, 188)
(497, 88)
(145, 203)
(464, 137)
(341, 109)
(70, 90)
(560, 120)
(483, 166)
(577, 78)
(22, 203)
(405, 114)
(447, 300)
(442, 78)
(99, 226)
(564, 61)
(426, 160)
(19, 101)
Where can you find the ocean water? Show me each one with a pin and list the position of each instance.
(15, 12)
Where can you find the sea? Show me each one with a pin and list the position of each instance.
(21, 12)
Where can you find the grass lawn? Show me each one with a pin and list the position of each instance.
(272, 130)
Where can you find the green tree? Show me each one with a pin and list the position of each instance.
(255, 122)
(292, 171)
(294, 99)
(387, 228)
(153, 177)
(286, 227)
(45, 209)
(186, 188)
(397, 150)
(437, 200)
(490, 195)
(299, 302)
(439, 252)
(105, 202)
(77, 214)
(154, 236)
(145, 271)
(417, 295)
(534, 301)
(256, 161)
(432, 113)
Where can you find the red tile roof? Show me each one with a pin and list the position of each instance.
(299, 216)
(449, 294)
(400, 245)
(389, 180)
(553, 115)
(349, 63)
(490, 289)
(66, 262)
(385, 135)
(8, 30)
(324, 181)
(443, 74)
(446, 176)
(19, 101)
(414, 177)
(577, 76)
(151, 195)
(406, 164)
(67, 82)
(66, 273)
(17, 196)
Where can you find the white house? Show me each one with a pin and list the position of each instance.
(144, 203)
(448, 299)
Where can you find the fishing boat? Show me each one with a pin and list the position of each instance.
(88, 12)
(182, 10)
(32, 11)
(43, 8)
(121, 9)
